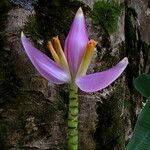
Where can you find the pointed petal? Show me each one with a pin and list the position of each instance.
(76, 42)
(98, 81)
(46, 67)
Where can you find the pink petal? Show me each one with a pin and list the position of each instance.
(45, 66)
(76, 42)
(98, 81)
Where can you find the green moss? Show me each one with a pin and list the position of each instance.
(117, 97)
(134, 46)
(55, 16)
(32, 28)
(51, 18)
(9, 83)
(110, 128)
(106, 13)
(107, 61)
(4, 7)
(36, 118)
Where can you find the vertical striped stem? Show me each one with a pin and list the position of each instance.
(73, 118)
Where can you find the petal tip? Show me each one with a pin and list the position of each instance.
(125, 60)
(80, 11)
(22, 34)
(98, 81)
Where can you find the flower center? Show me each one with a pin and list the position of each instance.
(60, 58)
(58, 54)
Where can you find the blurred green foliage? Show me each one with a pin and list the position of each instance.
(105, 13)
(142, 84)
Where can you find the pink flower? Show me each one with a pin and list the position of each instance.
(71, 64)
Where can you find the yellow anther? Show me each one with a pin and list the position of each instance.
(91, 45)
(57, 45)
(53, 52)
(87, 57)
(60, 53)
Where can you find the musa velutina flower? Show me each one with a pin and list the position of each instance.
(71, 64)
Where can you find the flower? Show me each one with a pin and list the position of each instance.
(71, 64)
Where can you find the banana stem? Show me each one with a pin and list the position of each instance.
(73, 118)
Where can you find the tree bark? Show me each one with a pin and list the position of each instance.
(33, 112)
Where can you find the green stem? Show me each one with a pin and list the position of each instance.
(73, 118)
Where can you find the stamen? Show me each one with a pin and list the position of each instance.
(53, 52)
(87, 57)
(91, 45)
(60, 53)
(57, 44)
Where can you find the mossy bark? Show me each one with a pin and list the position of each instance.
(33, 112)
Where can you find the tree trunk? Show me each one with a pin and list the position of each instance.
(33, 112)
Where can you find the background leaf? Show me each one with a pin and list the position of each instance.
(142, 84)
(141, 136)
